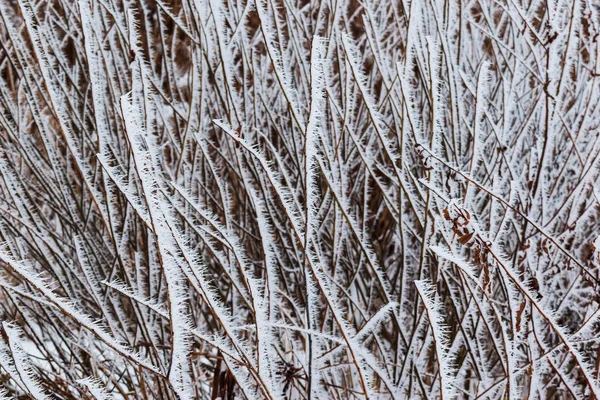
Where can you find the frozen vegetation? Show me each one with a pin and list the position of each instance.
(292, 199)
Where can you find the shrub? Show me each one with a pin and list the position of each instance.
(299, 199)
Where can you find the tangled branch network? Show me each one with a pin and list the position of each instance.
(299, 199)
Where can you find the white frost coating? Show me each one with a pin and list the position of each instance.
(71, 311)
(312, 245)
(435, 313)
(235, 198)
(22, 362)
(478, 131)
(157, 210)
